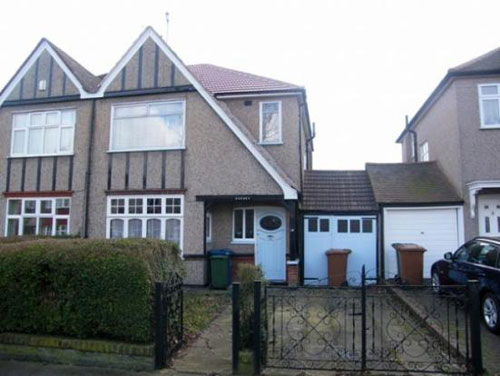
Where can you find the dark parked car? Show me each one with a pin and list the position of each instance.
(477, 259)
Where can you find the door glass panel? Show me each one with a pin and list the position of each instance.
(324, 225)
(29, 226)
(355, 225)
(498, 224)
(312, 224)
(342, 226)
(270, 223)
(487, 224)
(367, 225)
(45, 226)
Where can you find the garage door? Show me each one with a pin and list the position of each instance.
(438, 230)
(357, 233)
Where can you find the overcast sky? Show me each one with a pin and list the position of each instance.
(365, 64)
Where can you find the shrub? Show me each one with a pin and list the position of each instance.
(247, 274)
(83, 288)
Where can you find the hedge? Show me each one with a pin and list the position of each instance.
(83, 288)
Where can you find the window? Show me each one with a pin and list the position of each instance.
(312, 224)
(324, 225)
(208, 227)
(367, 225)
(462, 254)
(412, 146)
(155, 217)
(342, 225)
(483, 253)
(243, 225)
(424, 152)
(489, 99)
(148, 126)
(43, 133)
(38, 216)
(270, 122)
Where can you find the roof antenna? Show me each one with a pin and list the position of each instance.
(167, 19)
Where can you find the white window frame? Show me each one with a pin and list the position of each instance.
(424, 152)
(163, 216)
(60, 127)
(486, 96)
(37, 215)
(244, 240)
(147, 103)
(209, 231)
(261, 124)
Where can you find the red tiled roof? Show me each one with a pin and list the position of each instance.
(220, 80)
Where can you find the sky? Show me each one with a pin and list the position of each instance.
(364, 64)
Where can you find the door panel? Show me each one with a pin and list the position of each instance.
(489, 215)
(271, 243)
(436, 229)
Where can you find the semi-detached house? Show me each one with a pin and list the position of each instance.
(200, 155)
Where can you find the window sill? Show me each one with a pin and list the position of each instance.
(270, 143)
(487, 127)
(143, 150)
(250, 241)
(41, 155)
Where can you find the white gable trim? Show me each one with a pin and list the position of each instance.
(44, 46)
(289, 192)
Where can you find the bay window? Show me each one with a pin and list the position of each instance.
(43, 133)
(155, 217)
(148, 126)
(38, 216)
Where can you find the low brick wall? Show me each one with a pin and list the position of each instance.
(237, 260)
(97, 353)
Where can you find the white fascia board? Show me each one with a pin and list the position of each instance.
(288, 191)
(44, 46)
(250, 95)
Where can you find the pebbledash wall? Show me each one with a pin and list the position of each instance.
(464, 151)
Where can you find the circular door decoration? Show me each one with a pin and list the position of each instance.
(270, 222)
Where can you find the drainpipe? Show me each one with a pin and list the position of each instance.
(88, 173)
(414, 139)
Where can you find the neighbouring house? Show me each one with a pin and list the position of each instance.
(204, 156)
(458, 126)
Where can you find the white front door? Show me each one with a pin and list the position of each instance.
(271, 243)
(489, 215)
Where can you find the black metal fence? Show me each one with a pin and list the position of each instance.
(381, 327)
(169, 332)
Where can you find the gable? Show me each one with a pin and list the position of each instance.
(44, 63)
(147, 68)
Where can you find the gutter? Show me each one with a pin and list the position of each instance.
(88, 174)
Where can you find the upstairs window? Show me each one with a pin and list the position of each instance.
(489, 104)
(43, 133)
(270, 122)
(424, 152)
(148, 126)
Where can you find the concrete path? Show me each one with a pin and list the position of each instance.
(210, 354)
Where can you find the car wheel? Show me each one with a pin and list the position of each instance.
(436, 282)
(491, 312)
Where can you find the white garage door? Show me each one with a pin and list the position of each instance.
(357, 233)
(438, 230)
